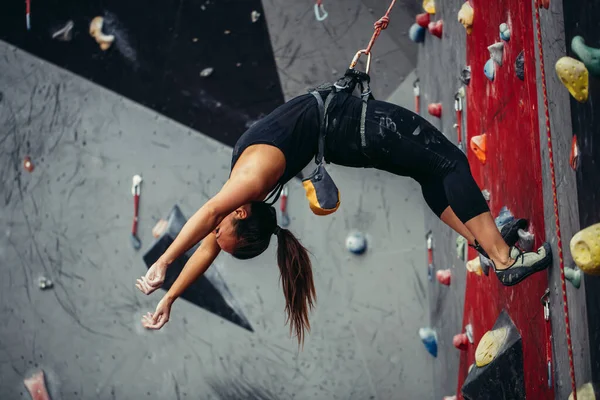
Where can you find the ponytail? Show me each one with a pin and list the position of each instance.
(297, 282)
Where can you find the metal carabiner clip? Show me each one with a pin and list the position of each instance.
(357, 56)
(320, 13)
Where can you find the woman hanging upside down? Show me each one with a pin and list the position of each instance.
(278, 147)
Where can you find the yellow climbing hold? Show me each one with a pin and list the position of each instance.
(474, 265)
(585, 249)
(465, 17)
(429, 6)
(574, 75)
(585, 392)
(489, 346)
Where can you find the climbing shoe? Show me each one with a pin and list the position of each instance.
(524, 264)
(509, 232)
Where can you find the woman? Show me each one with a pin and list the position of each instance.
(279, 146)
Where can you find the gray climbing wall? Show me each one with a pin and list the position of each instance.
(308, 51)
(439, 85)
(69, 220)
(553, 39)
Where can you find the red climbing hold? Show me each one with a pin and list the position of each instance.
(479, 147)
(574, 157)
(423, 20)
(461, 341)
(436, 28)
(443, 276)
(435, 109)
(544, 3)
(28, 165)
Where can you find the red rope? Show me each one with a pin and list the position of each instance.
(379, 26)
(555, 200)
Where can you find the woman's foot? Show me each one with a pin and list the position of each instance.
(509, 232)
(522, 264)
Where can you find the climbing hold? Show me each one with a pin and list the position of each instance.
(443, 276)
(497, 52)
(574, 157)
(574, 75)
(449, 397)
(465, 75)
(486, 264)
(504, 32)
(586, 392)
(474, 266)
(435, 109)
(461, 248)
(429, 6)
(520, 66)
(159, 228)
(479, 146)
(45, 283)
(588, 55)
(105, 41)
(465, 17)
(486, 194)
(356, 243)
(574, 276)
(28, 164)
(469, 333)
(436, 28)
(254, 16)
(544, 3)
(206, 72)
(504, 217)
(64, 34)
(489, 346)
(416, 33)
(460, 341)
(585, 249)
(423, 20)
(489, 69)
(498, 354)
(36, 386)
(429, 339)
(526, 240)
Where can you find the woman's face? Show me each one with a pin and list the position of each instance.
(225, 233)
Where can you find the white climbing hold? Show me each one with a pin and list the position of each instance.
(497, 52)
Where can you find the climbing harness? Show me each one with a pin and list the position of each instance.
(555, 200)
(320, 13)
(417, 93)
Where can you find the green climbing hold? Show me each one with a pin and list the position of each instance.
(589, 55)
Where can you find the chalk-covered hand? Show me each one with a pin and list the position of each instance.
(153, 279)
(160, 316)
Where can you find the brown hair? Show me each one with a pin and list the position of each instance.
(293, 260)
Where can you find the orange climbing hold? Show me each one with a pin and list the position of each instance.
(444, 276)
(461, 341)
(574, 157)
(479, 147)
(423, 20)
(28, 164)
(435, 109)
(436, 28)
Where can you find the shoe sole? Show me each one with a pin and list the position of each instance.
(541, 265)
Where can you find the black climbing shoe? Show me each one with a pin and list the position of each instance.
(525, 264)
(509, 232)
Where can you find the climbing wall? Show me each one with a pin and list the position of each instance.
(506, 111)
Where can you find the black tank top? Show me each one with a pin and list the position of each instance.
(294, 127)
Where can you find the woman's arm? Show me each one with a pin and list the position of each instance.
(194, 268)
(237, 191)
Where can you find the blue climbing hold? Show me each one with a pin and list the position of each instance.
(490, 69)
(504, 217)
(416, 33)
(429, 339)
(504, 32)
(356, 243)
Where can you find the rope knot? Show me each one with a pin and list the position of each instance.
(382, 23)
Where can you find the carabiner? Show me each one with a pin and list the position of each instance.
(416, 89)
(320, 13)
(357, 56)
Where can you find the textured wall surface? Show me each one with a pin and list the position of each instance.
(69, 220)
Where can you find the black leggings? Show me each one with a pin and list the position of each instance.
(403, 143)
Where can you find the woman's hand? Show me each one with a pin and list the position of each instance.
(154, 278)
(160, 316)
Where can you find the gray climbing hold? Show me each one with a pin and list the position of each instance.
(497, 52)
(465, 75)
(206, 72)
(520, 66)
